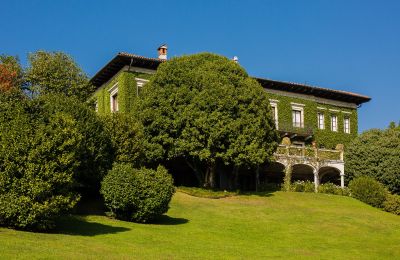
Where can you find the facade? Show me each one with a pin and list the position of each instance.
(315, 123)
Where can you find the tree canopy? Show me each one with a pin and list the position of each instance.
(206, 109)
(56, 72)
(376, 153)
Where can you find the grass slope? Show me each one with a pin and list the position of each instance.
(284, 225)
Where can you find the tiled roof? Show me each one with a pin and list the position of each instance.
(127, 59)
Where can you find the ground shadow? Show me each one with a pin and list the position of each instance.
(78, 226)
(268, 193)
(167, 220)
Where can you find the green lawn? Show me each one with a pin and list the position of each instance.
(284, 225)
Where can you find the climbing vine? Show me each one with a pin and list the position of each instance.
(127, 91)
(324, 137)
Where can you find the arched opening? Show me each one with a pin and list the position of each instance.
(302, 172)
(274, 172)
(329, 174)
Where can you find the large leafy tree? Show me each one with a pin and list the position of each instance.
(56, 72)
(376, 153)
(206, 109)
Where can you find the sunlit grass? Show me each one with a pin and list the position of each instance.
(279, 224)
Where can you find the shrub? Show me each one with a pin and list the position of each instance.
(37, 163)
(376, 153)
(392, 204)
(138, 195)
(303, 186)
(330, 188)
(126, 136)
(94, 151)
(368, 190)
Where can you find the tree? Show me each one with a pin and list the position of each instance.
(376, 153)
(94, 150)
(127, 139)
(38, 160)
(11, 74)
(56, 72)
(206, 109)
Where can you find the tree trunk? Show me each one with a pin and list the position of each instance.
(197, 171)
(258, 178)
(210, 181)
(236, 176)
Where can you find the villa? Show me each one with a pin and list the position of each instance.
(315, 123)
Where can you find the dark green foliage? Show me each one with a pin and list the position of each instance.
(206, 109)
(330, 188)
(37, 164)
(94, 151)
(126, 137)
(368, 190)
(392, 204)
(376, 153)
(302, 186)
(138, 195)
(56, 72)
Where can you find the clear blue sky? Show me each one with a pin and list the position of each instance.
(346, 45)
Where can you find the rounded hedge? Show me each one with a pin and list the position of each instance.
(368, 190)
(138, 195)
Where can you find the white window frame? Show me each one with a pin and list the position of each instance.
(114, 92)
(346, 130)
(321, 117)
(334, 126)
(274, 105)
(301, 110)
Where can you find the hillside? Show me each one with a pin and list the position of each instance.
(287, 225)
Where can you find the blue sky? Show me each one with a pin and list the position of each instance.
(346, 45)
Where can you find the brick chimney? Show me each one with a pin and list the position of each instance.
(162, 52)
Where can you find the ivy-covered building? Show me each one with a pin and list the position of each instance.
(315, 123)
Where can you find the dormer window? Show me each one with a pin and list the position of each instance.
(114, 98)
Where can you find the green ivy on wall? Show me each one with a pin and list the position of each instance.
(324, 137)
(127, 91)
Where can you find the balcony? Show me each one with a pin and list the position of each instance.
(287, 128)
(309, 153)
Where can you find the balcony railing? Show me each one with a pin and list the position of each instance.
(288, 127)
(310, 152)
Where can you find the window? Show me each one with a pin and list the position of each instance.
(114, 106)
(274, 108)
(139, 85)
(334, 123)
(114, 101)
(297, 114)
(297, 118)
(347, 125)
(321, 120)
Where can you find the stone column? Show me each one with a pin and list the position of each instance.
(342, 180)
(316, 180)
